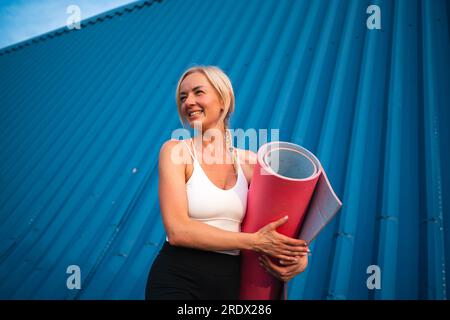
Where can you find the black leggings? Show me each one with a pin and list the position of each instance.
(187, 274)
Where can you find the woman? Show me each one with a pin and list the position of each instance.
(203, 185)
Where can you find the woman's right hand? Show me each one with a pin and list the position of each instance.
(279, 246)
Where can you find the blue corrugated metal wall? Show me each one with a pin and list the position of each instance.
(84, 112)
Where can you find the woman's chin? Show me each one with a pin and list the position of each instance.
(195, 122)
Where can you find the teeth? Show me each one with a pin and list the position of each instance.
(194, 113)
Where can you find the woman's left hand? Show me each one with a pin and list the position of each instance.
(287, 269)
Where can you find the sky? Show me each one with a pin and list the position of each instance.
(24, 19)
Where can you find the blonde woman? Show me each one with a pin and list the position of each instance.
(203, 185)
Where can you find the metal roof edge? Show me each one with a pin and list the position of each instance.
(118, 11)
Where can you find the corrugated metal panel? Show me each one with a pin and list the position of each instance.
(84, 113)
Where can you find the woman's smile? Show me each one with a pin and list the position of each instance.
(195, 113)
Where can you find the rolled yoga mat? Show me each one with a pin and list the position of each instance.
(287, 180)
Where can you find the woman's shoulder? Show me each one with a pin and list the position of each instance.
(169, 145)
(175, 150)
(172, 143)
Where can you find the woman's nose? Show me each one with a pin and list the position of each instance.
(189, 99)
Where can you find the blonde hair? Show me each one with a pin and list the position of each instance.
(220, 81)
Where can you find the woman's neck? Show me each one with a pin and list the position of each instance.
(213, 143)
(212, 137)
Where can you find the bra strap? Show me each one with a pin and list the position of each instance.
(190, 152)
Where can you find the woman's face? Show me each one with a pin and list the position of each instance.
(200, 102)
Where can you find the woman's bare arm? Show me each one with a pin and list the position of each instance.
(183, 231)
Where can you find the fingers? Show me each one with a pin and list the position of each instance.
(293, 250)
(293, 242)
(302, 258)
(287, 262)
(292, 259)
(283, 251)
(278, 223)
(279, 245)
(279, 269)
(268, 263)
(267, 268)
(273, 273)
(284, 273)
(290, 244)
(288, 240)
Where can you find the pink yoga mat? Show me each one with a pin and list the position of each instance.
(287, 180)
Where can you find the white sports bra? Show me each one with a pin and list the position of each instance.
(215, 206)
